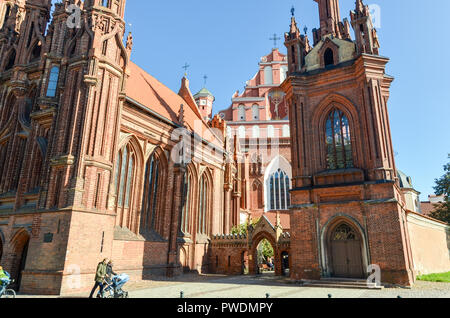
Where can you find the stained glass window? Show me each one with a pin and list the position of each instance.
(204, 201)
(344, 233)
(53, 81)
(152, 192)
(338, 141)
(125, 171)
(279, 185)
(187, 204)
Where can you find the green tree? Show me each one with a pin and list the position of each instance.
(442, 210)
(242, 228)
(267, 249)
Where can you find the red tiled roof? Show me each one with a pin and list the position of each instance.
(148, 91)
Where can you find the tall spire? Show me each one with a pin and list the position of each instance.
(330, 16)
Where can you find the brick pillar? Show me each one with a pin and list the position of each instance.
(304, 246)
(174, 267)
(227, 210)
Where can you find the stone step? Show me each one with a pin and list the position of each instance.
(341, 284)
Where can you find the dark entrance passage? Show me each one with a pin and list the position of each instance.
(22, 263)
(346, 252)
(285, 264)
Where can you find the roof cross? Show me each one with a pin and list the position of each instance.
(275, 39)
(186, 66)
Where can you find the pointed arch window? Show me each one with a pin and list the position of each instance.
(204, 203)
(53, 81)
(279, 185)
(328, 57)
(153, 189)
(125, 172)
(338, 141)
(185, 216)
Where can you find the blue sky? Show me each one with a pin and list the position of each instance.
(225, 39)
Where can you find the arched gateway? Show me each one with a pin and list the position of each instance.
(229, 253)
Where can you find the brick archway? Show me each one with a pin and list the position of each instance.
(18, 256)
(253, 264)
(354, 251)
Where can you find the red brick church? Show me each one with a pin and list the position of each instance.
(98, 159)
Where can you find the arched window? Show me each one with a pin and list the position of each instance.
(125, 171)
(229, 132)
(338, 141)
(270, 131)
(279, 185)
(203, 207)
(268, 75)
(256, 132)
(283, 73)
(255, 112)
(36, 52)
(185, 216)
(257, 195)
(241, 132)
(286, 131)
(153, 189)
(53, 81)
(241, 113)
(328, 57)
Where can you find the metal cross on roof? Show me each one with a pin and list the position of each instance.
(275, 39)
(186, 66)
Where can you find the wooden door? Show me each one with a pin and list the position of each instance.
(346, 253)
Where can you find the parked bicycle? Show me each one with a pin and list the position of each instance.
(6, 292)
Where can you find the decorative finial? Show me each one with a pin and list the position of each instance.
(293, 11)
(305, 29)
(205, 77)
(186, 66)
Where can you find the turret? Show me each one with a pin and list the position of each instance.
(365, 33)
(297, 46)
(205, 99)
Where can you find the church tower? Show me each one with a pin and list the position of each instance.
(205, 99)
(61, 122)
(347, 208)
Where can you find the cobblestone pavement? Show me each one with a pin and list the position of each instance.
(213, 286)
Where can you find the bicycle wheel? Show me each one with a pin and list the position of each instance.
(9, 293)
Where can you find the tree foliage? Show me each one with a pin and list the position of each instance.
(242, 229)
(442, 210)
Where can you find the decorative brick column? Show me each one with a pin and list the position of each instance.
(173, 265)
